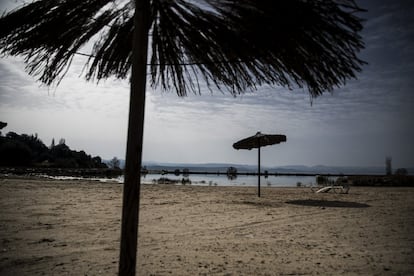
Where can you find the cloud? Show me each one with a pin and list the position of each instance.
(17, 89)
(358, 124)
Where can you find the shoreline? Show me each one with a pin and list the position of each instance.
(174, 179)
(73, 228)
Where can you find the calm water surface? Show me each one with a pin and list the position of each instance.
(216, 180)
(242, 180)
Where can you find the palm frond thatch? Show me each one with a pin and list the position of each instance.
(232, 45)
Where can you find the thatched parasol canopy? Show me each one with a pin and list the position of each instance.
(259, 140)
(231, 45)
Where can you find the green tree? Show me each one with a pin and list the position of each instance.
(2, 125)
(401, 171)
(38, 151)
(97, 162)
(60, 151)
(231, 173)
(234, 45)
(25, 150)
(14, 154)
(114, 163)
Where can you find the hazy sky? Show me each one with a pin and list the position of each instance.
(359, 124)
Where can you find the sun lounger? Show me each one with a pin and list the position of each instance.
(335, 188)
(340, 186)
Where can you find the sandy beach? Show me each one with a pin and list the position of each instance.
(50, 227)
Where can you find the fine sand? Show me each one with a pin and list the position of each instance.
(50, 227)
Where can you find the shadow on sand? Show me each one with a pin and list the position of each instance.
(328, 203)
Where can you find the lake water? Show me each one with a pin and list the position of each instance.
(216, 180)
(241, 180)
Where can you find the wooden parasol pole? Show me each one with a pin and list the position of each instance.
(258, 169)
(132, 182)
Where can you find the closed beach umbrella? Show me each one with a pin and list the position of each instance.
(257, 141)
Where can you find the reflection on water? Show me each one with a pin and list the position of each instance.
(224, 180)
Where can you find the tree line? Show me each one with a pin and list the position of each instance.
(22, 150)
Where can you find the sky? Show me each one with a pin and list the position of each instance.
(359, 124)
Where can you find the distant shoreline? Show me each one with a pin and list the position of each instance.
(353, 179)
(81, 172)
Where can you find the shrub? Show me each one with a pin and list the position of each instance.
(15, 153)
